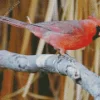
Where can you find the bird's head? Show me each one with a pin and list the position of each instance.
(97, 33)
(97, 23)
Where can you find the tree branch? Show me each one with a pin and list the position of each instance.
(64, 65)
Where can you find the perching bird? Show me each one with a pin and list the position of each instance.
(62, 35)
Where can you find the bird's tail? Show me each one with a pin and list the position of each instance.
(13, 22)
(36, 29)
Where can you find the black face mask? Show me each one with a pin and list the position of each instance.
(97, 33)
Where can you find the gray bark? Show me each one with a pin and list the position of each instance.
(64, 65)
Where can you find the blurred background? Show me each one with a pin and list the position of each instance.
(44, 86)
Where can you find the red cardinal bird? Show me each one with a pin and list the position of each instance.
(62, 35)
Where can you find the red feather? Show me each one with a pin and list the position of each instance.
(63, 35)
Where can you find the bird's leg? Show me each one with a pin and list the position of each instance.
(61, 52)
(58, 52)
(61, 55)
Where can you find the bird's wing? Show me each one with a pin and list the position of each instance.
(60, 26)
